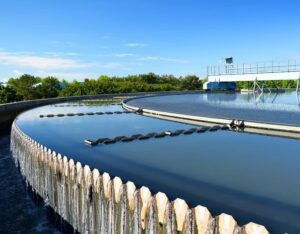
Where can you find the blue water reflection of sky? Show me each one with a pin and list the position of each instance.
(267, 107)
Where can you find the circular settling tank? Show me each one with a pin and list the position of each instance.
(253, 177)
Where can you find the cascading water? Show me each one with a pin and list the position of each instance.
(95, 203)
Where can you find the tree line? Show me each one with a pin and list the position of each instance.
(28, 87)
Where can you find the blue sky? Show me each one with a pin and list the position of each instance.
(78, 39)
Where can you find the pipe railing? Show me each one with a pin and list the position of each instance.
(256, 68)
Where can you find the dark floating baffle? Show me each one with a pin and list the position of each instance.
(109, 141)
(159, 135)
(144, 137)
(70, 114)
(176, 133)
(147, 136)
(41, 116)
(109, 113)
(224, 127)
(202, 129)
(127, 139)
(90, 113)
(60, 115)
(151, 134)
(214, 128)
(135, 136)
(190, 131)
(80, 114)
(119, 138)
(118, 112)
(90, 142)
(99, 113)
(50, 115)
(127, 112)
(101, 140)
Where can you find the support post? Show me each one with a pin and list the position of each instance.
(297, 89)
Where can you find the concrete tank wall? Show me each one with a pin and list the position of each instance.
(10, 110)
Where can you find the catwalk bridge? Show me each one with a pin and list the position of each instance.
(257, 73)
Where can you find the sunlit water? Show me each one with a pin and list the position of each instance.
(262, 107)
(253, 177)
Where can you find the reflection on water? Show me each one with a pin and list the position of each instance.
(288, 101)
(252, 177)
(280, 108)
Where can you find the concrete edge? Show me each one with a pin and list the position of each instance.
(9, 111)
(183, 118)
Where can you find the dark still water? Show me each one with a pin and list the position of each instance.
(18, 213)
(252, 177)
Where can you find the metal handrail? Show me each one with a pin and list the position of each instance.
(239, 69)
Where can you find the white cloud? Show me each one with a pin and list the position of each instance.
(158, 58)
(136, 44)
(39, 62)
(118, 55)
(58, 54)
(67, 75)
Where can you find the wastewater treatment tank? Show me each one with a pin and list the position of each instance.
(166, 163)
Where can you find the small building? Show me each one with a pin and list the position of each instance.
(219, 86)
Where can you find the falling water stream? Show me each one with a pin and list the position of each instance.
(18, 212)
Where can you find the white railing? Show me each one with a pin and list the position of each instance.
(254, 68)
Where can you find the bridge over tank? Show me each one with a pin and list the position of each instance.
(258, 72)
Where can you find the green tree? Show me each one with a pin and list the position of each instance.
(25, 86)
(30, 87)
(7, 94)
(191, 82)
(49, 87)
(149, 78)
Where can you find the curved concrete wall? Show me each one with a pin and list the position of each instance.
(94, 202)
(276, 128)
(10, 110)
